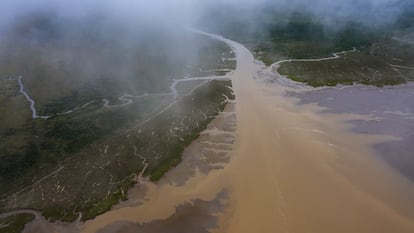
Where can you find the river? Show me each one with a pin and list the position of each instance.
(291, 169)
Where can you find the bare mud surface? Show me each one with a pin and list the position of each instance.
(291, 169)
(195, 216)
(209, 152)
(40, 224)
(392, 112)
(284, 168)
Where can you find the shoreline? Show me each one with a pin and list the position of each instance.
(328, 182)
(275, 185)
(217, 82)
(40, 221)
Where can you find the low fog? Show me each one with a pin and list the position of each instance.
(189, 12)
(33, 25)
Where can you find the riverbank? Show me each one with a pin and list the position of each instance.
(291, 169)
(385, 63)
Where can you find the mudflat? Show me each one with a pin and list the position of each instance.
(392, 112)
(291, 169)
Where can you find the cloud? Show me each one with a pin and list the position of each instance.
(179, 11)
(186, 12)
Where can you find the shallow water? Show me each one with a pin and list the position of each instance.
(291, 169)
(392, 110)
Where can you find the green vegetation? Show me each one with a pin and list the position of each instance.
(65, 76)
(15, 223)
(372, 66)
(275, 34)
(108, 202)
(112, 158)
(204, 97)
(85, 161)
(304, 38)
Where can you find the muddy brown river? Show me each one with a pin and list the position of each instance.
(277, 167)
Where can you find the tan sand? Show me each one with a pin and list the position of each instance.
(291, 170)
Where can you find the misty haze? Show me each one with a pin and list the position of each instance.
(206, 116)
